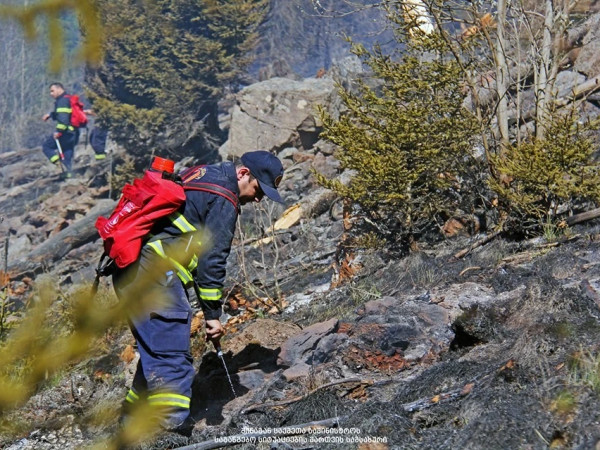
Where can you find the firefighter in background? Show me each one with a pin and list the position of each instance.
(98, 137)
(64, 134)
(165, 373)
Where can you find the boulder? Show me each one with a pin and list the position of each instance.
(299, 348)
(588, 59)
(277, 113)
(395, 332)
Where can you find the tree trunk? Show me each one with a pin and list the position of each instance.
(543, 85)
(59, 245)
(502, 75)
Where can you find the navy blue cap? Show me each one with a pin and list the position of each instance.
(267, 169)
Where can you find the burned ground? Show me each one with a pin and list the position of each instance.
(497, 349)
(505, 373)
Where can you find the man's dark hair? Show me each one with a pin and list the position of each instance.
(58, 85)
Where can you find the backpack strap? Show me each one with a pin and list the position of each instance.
(214, 189)
(105, 268)
(190, 181)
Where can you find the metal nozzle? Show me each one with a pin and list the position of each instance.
(220, 355)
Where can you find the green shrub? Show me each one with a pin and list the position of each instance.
(545, 179)
(166, 65)
(409, 141)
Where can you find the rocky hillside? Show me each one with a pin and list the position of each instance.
(495, 347)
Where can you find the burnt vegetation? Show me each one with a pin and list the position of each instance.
(441, 339)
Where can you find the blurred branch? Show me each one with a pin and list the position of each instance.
(87, 15)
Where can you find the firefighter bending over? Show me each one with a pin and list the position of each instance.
(165, 372)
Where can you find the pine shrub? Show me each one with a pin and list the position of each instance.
(167, 64)
(543, 180)
(408, 140)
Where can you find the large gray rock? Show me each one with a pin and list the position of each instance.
(566, 81)
(397, 332)
(588, 60)
(277, 113)
(299, 348)
(19, 246)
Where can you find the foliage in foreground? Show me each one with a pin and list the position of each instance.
(26, 76)
(52, 10)
(60, 331)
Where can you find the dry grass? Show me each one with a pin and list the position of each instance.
(584, 370)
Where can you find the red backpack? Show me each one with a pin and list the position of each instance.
(78, 117)
(154, 196)
(149, 198)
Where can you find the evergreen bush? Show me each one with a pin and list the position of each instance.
(408, 139)
(543, 180)
(166, 64)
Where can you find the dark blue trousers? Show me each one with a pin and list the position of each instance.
(67, 143)
(98, 137)
(165, 373)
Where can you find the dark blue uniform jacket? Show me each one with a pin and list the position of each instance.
(216, 215)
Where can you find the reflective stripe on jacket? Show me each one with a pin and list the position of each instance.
(62, 114)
